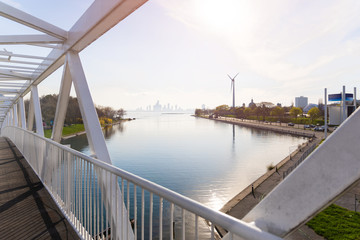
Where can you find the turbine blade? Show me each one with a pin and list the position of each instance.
(230, 77)
(236, 75)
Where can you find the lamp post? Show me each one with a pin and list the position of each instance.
(325, 115)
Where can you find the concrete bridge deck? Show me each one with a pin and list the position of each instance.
(26, 209)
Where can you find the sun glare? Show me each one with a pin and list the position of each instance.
(224, 16)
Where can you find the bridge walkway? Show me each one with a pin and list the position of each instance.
(27, 211)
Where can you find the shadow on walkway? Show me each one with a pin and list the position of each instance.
(26, 209)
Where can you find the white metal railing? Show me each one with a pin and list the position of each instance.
(75, 181)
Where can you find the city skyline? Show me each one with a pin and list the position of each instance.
(176, 51)
(157, 107)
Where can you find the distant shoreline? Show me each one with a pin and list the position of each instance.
(263, 126)
(84, 132)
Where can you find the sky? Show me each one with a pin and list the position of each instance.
(181, 51)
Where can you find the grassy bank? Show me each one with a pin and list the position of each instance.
(69, 130)
(336, 223)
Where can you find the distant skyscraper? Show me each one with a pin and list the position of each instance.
(301, 102)
(157, 107)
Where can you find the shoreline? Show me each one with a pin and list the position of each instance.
(84, 132)
(243, 202)
(248, 190)
(264, 126)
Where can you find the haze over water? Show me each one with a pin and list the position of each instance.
(205, 160)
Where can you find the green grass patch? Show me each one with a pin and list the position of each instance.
(69, 130)
(335, 223)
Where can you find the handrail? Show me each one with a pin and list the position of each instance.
(231, 224)
(301, 159)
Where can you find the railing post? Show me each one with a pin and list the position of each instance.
(69, 183)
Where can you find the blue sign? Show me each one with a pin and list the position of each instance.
(338, 97)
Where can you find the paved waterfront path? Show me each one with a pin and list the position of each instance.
(26, 209)
(297, 130)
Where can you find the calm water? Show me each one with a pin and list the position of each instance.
(205, 160)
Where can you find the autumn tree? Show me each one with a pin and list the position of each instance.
(277, 111)
(107, 112)
(265, 111)
(247, 112)
(120, 113)
(222, 110)
(48, 107)
(314, 113)
(73, 114)
(239, 112)
(295, 111)
(257, 111)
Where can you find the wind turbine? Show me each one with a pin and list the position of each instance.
(233, 87)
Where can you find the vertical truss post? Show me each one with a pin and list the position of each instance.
(30, 120)
(62, 103)
(6, 120)
(22, 112)
(15, 110)
(37, 111)
(4, 124)
(18, 115)
(11, 117)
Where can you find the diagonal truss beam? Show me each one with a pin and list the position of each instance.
(62, 104)
(26, 19)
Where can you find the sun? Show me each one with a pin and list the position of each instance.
(224, 16)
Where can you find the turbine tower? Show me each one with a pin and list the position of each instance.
(233, 87)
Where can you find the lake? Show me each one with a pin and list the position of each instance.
(205, 160)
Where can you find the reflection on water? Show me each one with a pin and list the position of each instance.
(81, 144)
(208, 161)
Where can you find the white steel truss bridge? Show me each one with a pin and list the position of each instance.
(93, 194)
